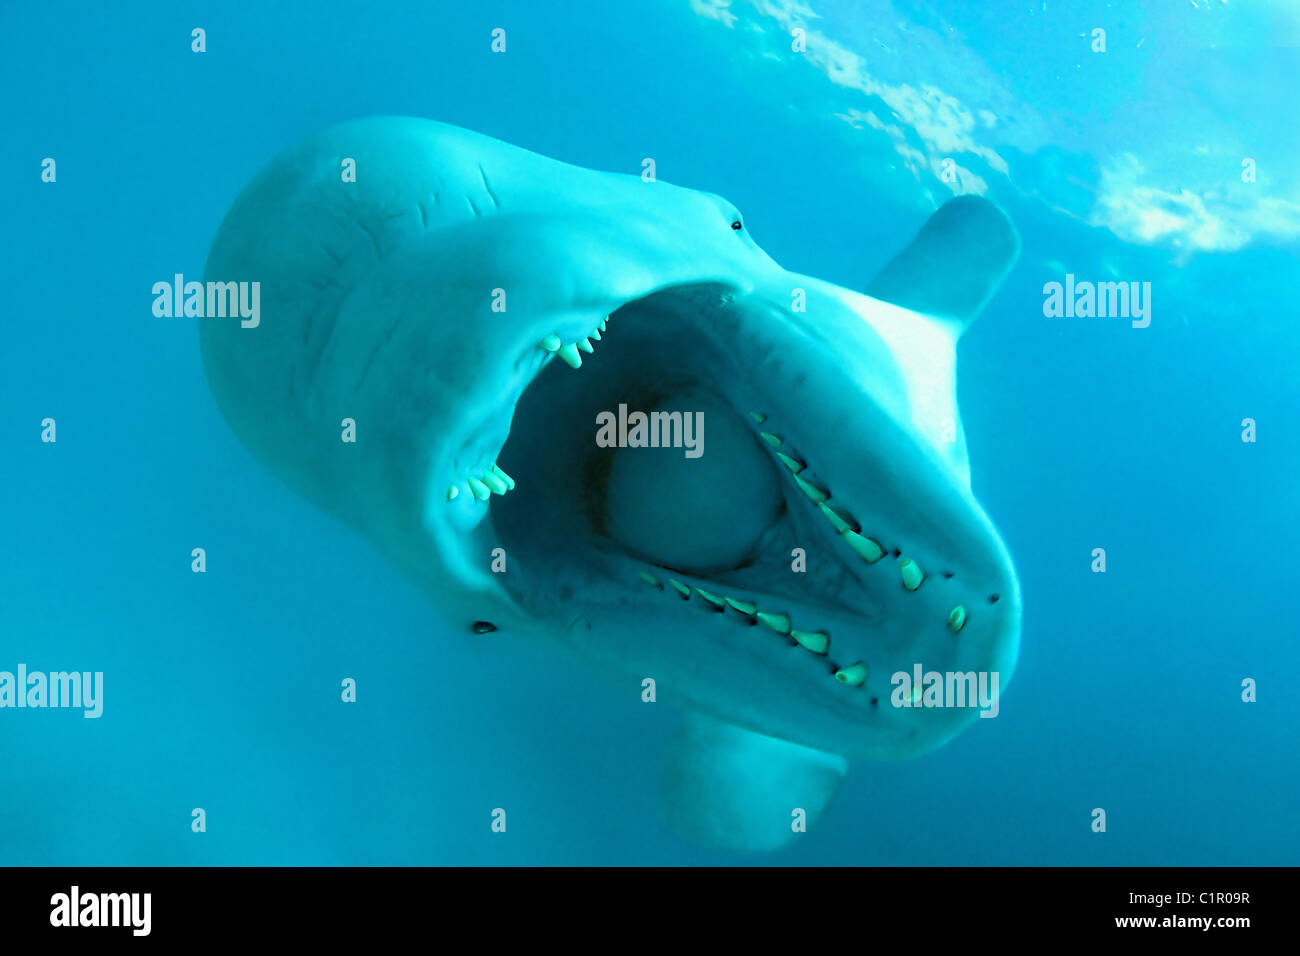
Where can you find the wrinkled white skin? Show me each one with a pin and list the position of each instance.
(377, 305)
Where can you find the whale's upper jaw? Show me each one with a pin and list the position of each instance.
(684, 570)
(379, 307)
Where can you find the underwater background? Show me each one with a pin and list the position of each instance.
(221, 690)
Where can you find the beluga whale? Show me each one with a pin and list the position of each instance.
(743, 486)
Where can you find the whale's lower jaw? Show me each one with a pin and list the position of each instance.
(777, 574)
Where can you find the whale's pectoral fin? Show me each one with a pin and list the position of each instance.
(733, 789)
(955, 263)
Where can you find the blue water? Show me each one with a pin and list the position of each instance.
(221, 689)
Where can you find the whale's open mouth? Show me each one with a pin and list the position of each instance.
(688, 465)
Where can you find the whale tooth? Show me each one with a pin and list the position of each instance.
(550, 344)
(957, 618)
(570, 355)
(601, 324)
(777, 622)
(912, 576)
(811, 490)
(650, 579)
(452, 492)
(595, 335)
(853, 675)
(744, 607)
(794, 464)
(757, 417)
(681, 589)
(586, 346)
(771, 439)
(866, 547)
(713, 599)
(481, 491)
(815, 641)
(833, 517)
(494, 483)
(510, 482)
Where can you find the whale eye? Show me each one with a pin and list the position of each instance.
(735, 224)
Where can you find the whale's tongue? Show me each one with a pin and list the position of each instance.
(700, 501)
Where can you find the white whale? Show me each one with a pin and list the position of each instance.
(473, 308)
